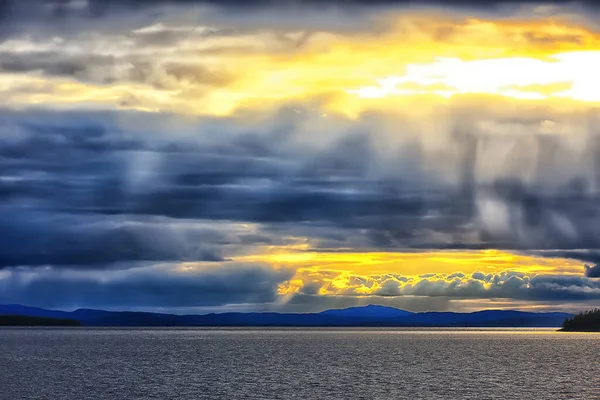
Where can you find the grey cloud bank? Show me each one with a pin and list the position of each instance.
(150, 286)
(408, 193)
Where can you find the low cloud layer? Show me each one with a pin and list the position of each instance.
(478, 285)
(206, 285)
(149, 286)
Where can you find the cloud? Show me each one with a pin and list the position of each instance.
(512, 285)
(184, 56)
(189, 285)
(592, 271)
(83, 178)
(168, 285)
(63, 240)
(103, 68)
(105, 171)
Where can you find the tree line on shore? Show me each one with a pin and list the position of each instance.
(25, 320)
(587, 321)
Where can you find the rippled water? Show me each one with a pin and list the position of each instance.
(297, 364)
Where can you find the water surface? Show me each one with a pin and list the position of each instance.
(80, 363)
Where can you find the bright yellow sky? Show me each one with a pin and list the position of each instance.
(420, 54)
(416, 263)
(354, 273)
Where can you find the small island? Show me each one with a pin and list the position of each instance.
(588, 321)
(24, 320)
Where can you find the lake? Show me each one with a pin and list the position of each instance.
(81, 363)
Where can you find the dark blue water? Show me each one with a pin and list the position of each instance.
(297, 364)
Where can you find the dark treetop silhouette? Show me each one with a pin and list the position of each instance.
(587, 321)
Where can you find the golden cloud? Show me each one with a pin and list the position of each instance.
(396, 273)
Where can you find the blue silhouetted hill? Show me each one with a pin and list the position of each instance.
(367, 316)
(588, 321)
(370, 311)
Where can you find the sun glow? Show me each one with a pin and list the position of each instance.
(565, 75)
(413, 263)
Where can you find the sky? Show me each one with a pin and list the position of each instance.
(296, 156)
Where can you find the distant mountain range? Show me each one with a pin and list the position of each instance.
(367, 316)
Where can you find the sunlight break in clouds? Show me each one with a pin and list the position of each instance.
(564, 75)
(199, 155)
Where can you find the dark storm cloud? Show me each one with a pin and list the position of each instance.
(37, 238)
(85, 187)
(147, 286)
(562, 220)
(39, 16)
(76, 185)
(99, 5)
(592, 271)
